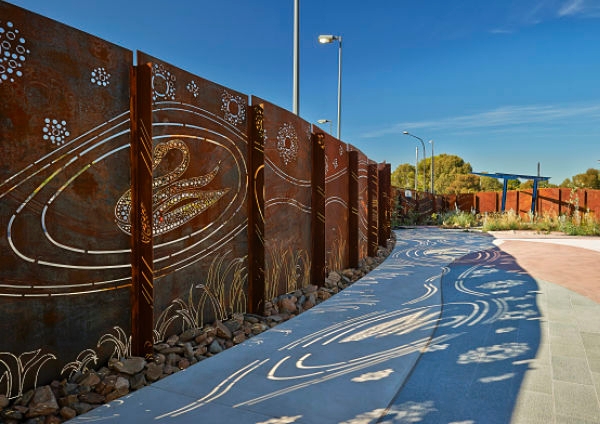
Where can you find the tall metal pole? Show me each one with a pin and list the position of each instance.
(326, 39)
(416, 167)
(296, 82)
(432, 174)
(424, 157)
(339, 106)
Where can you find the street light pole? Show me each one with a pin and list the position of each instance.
(296, 82)
(432, 173)
(424, 156)
(326, 39)
(416, 168)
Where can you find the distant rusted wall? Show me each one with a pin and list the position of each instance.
(550, 201)
(487, 201)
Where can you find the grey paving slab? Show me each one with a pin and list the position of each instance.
(449, 329)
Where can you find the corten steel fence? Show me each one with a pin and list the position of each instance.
(140, 200)
(417, 207)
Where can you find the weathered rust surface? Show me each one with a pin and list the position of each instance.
(256, 220)
(142, 257)
(64, 162)
(385, 206)
(288, 196)
(353, 209)
(487, 201)
(372, 211)
(200, 186)
(363, 203)
(337, 203)
(318, 209)
(136, 201)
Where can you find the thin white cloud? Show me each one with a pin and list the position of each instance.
(571, 7)
(507, 116)
(580, 8)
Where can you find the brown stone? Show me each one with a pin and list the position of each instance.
(92, 397)
(288, 304)
(183, 363)
(68, 400)
(67, 413)
(82, 407)
(90, 379)
(3, 401)
(129, 366)
(52, 419)
(201, 338)
(222, 330)
(42, 403)
(154, 371)
(190, 334)
(238, 338)
(259, 327)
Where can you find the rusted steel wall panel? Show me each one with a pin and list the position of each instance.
(512, 201)
(372, 213)
(593, 202)
(525, 198)
(256, 219)
(142, 290)
(487, 201)
(363, 203)
(200, 195)
(337, 177)
(318, 267)
(353, 209)
(288, 196)
(549, 201)
(385, 208)
(64, 163)
(465, 201)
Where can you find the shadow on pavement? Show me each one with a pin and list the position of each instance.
(491, 316)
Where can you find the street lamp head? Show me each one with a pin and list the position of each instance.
(327, 38)
(405, 132)
(323, 121)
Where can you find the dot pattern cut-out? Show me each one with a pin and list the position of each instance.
(163, 83)
(193, 88)
(55, 131)
(234, 108)
(100, 77)
(287, 143)
(12, 52)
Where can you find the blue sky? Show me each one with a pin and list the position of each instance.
(504, 84)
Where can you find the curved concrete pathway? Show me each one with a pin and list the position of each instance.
(449, 329)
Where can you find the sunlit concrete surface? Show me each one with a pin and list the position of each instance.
(449, 329)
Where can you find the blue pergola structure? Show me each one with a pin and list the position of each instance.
(507, 177)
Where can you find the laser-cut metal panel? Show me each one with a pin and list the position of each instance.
(373, 208)
(550, 201)
(385, 206)
(288, 192)
(200, 191)
(592, 201)
(336, 203)
(363, 203)
(487, 201)
(64, 163)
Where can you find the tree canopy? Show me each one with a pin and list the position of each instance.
(453, 175)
